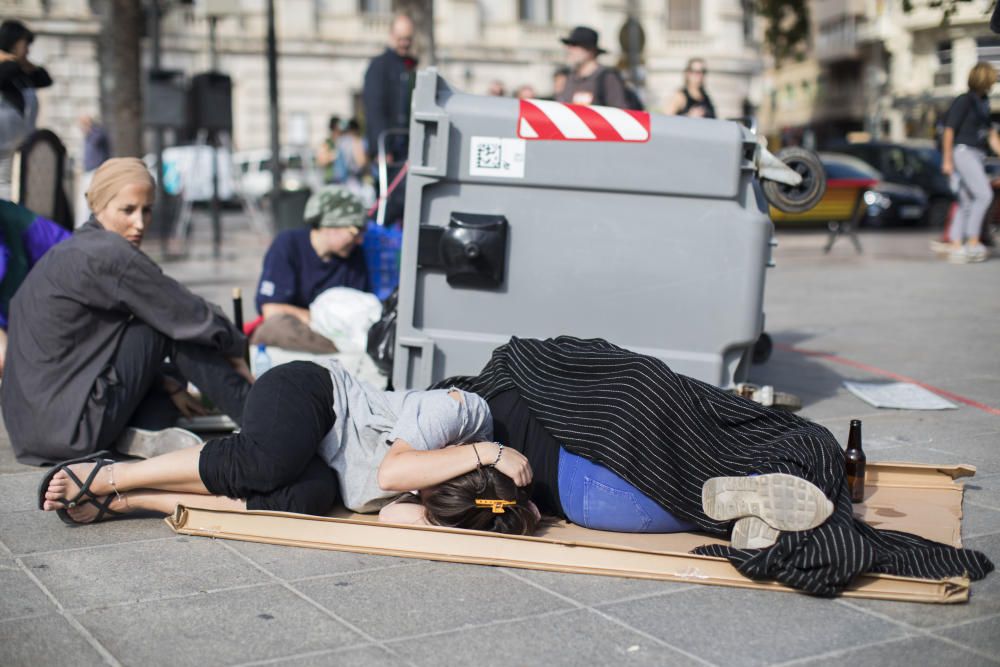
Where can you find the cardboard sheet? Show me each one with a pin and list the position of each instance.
(917, 498)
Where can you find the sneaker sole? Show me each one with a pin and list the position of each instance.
(783, 501)
(752, 533)
(147, 444)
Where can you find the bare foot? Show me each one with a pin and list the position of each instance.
(62, 488)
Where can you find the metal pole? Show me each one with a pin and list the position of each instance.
(159, 209)
(633, 44)
(272, 90)
(213, 146)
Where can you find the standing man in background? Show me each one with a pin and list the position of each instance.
(386, 96)
(589, 82)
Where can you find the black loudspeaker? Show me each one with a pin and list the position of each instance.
(165, 100)
(212, 102)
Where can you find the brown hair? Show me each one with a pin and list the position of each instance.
(453, 503)
(982, 77)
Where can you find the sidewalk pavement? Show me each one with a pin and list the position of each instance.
(132, 593)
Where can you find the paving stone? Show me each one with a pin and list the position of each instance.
(46, 640)
(31, 532)
(19, 491)
(977, 520)
(737, 626)
(400, 602)
(291, 563)
(983, 635)
(227, 627)
(913, 652)
(588, 589)
(364, 656)
(984, 600)
(141, 571)
(577, 638)
(20, 595)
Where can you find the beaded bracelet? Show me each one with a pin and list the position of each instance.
(499, 454)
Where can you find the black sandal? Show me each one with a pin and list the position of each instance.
(84, 495)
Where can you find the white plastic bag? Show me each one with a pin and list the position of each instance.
(344, 315)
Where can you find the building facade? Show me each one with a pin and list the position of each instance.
(872, 67)
(325, 45)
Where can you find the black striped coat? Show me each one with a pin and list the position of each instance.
(666, 434)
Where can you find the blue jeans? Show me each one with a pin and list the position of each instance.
(594, 497)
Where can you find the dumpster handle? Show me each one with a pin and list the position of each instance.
(422, 375)
(430, 132)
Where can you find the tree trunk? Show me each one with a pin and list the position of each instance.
(422, 13)
(120, 60)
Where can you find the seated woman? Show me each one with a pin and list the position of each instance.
(303, 263)
(90, 329)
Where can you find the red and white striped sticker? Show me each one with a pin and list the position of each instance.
(554, 121)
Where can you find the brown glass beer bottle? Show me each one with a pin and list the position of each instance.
(854, 459)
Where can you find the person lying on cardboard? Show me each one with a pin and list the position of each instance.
(91, 327)
(587, 431)
(303, 263)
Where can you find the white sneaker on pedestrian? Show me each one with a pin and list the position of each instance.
(752, 533)
(977, 253)
(941, 247)
(959, 256)
(785, 502)
(147, 444)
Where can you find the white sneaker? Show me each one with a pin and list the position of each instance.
(147, 444)
(959, 256)
(941, 247)
(752, 533)
(782, 501)
(977, 253)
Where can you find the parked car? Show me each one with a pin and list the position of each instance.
(851, 183)
(908, 166)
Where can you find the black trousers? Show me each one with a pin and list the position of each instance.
(272, 462)
(134, 395)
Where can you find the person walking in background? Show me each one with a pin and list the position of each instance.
(692, 100)
(589, 82)
(386, 94)
(19, 78)
(525, 92)
(963, 150)
(496, 89)
(327, 156)
(96, 150)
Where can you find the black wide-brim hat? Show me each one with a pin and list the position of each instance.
(585, 37)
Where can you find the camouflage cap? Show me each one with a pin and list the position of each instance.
(334, 206)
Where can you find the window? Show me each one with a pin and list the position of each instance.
(749, 22)
(684, 15)
(537, 12)
(375, 6)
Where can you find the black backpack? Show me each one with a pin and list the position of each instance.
(632, 99)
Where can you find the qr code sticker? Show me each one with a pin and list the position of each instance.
(489, 156)
(497, 157)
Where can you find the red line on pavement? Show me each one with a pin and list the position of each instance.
(889, 374)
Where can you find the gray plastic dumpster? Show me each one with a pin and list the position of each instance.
(657, 243)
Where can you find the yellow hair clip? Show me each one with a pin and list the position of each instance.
(494, 504)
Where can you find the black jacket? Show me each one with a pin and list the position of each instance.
(386, 97)
(13, 80)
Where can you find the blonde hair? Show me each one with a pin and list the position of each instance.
(982, 77)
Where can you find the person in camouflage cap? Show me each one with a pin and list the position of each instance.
(303, 263)
(334, 206)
